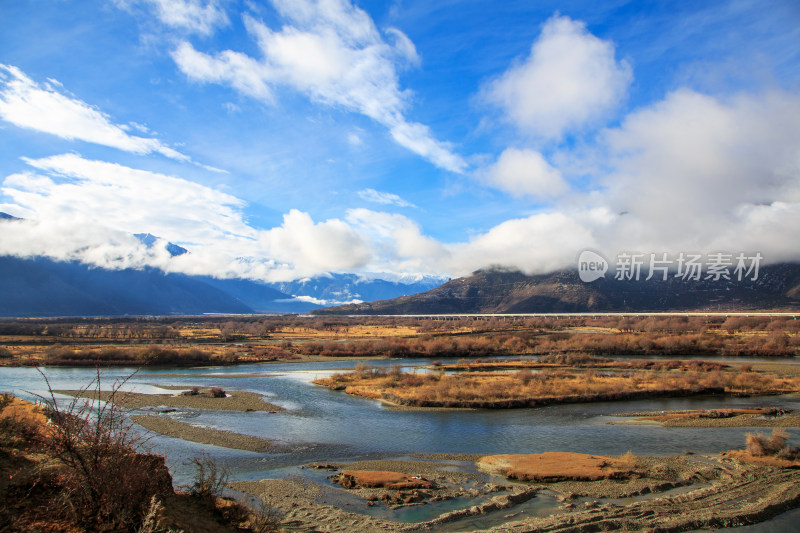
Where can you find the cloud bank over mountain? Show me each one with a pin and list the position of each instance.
(577, 159)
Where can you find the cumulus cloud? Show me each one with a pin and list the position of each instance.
(315, 247)
(570, 80)
(536, 244)
(689, 173)
(77, 209)
(332, 52)
(87, 210)
(689, 169)
(524, 172)
(192, 16)
(371, 195)
(398, 242)
(44, 107)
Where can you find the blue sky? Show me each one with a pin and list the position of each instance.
(284, 139)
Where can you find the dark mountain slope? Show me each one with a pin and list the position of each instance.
(494, 291)
(41, 287)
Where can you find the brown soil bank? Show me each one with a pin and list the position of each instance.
(215, 437)
(44, 488)
(726, 493)
(754, 417)
(751, 495)
(558, 466)
(233, 401)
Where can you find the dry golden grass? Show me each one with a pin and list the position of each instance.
(27, 413)
(348, 332)
(197, 333)
(24, 342)
(763, 460)
(378, 479)
(768, 450)
(524, 388)
(560, 466)
(581, 360)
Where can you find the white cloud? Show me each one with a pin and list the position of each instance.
(689, 173)
(570, 80)
(127, 199)
(536, 244)
(398, 242)
(354, 139)
(78, 239)
(404, 46)
(418, 138)
(524, 172)
(242, 72)
(331, 52)
(691, 167)
(44, 108)
(315, 247)
(192, 16)
(371, 195)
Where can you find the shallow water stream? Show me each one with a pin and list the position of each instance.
(328, 426)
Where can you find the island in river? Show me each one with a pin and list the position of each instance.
(498, 491)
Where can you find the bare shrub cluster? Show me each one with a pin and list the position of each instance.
(759, 445)
(58, 355)
(106, 485)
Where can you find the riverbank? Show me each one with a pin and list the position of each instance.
(715, 491)
(715, 418)
(204, 399)
(61, 475)
(204, 435)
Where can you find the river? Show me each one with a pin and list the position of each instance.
(324, 425)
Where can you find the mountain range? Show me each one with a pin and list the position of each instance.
(40, 286)
(502, 291)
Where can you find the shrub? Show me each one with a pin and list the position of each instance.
(759, 444)
(628, 459)
(105, 483)
(265, 517)
(209, 479)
